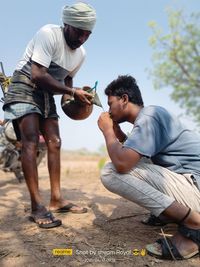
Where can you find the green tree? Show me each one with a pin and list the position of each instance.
(176, 59)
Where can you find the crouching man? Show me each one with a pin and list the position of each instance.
(170, 186)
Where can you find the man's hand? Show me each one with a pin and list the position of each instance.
(105, 122)
(83, 96)
(123, 158)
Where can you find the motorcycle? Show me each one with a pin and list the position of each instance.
(10, 147)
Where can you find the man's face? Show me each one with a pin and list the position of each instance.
(116, 108)
(75, 37)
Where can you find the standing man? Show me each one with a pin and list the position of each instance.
(170, 186)
(51, 60)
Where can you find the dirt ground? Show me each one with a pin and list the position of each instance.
(110, 234)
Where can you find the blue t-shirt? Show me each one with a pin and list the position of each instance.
(159, 135)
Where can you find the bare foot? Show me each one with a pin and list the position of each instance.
(62, 206)
(44, 218)
(186, 247)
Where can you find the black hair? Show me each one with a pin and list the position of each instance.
(125, 84)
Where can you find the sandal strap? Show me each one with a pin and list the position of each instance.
(185, 217)
(169, 250)
(46, 215)
(193, 234)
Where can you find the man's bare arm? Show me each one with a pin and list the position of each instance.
(121, 136)
(123, 158)
(41, 77)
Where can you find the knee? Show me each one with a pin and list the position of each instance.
(54, 143)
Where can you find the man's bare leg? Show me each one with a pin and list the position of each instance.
(50, 130)
(29, 130)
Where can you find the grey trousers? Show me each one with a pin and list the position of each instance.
(152, 187)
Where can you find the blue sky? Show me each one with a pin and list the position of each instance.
(118, 45)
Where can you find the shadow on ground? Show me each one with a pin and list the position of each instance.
(110, 234)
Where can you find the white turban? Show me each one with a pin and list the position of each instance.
(79, 15)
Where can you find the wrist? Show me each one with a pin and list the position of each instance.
(108, 132)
